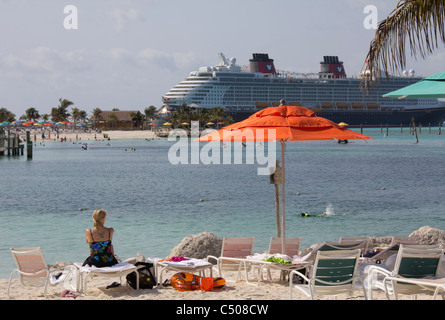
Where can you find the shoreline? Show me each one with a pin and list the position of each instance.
(238, 290)
(88, 136)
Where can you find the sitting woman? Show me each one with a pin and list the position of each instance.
(99, 239)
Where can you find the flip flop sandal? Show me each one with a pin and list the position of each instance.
(113, 285)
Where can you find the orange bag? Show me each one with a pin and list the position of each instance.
(184, 281)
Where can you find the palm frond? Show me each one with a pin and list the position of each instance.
(420, 22)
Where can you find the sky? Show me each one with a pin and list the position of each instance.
(127, 54)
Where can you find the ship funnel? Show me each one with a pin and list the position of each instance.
(331, 67)
(262, 63)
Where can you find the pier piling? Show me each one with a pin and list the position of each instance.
(28, 145)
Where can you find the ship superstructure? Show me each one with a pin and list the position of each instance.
(330, 93)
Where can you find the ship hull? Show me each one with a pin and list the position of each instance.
(424, 117)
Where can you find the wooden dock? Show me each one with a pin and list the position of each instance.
(11, 145)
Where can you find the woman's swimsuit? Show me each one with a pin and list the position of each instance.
(100, 253)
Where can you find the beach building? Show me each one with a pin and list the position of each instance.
(116, 119)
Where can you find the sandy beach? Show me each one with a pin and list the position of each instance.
(234, 290)
(86, 136)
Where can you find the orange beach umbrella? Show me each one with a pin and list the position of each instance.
(283, 123)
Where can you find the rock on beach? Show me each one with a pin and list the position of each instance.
(429, 235)
(198, 246)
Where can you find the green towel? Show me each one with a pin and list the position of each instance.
(276, 260)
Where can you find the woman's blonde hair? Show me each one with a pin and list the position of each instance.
(98, 215)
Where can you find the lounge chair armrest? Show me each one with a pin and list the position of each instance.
(231, 259)
(33, 273)
(239, 260)
(212, 257)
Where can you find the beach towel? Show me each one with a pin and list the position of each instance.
(122, 266)
(192, 262)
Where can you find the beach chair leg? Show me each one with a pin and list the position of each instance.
(10, 280)
(84, 284)
(46, 285)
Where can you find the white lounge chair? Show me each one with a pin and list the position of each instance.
(404, 240)
(332, 246)
(414, 272)
(393, 248)
(292, 246)
(363, 240)
(234, 252)
(33, 271)
(118, 270)
(333, 274)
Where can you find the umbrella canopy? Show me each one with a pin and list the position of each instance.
(5, 123)
(430, 87)
(283, 123)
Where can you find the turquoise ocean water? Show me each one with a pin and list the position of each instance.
(387, 186)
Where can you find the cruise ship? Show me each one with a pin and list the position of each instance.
(244, 90)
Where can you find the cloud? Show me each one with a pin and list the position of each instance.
(46, 60)
(150, 58)
(429, 65)
(161, 59)
(123, 17)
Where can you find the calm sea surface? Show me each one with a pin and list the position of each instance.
(387, 186)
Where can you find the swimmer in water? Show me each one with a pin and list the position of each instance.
(304, 214)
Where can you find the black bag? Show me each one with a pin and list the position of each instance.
(146, 276)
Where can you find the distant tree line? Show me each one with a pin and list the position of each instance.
(185, 114)
(61, 113)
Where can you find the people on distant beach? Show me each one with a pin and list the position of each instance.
(99, 240)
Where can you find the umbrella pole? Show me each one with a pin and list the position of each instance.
(277, 203)
(283, 174)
